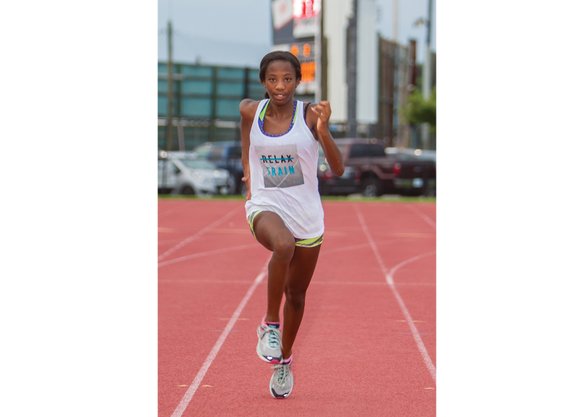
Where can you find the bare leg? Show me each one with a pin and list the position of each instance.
(299, 275)
(271, 232)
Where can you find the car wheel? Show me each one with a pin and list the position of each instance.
(231, 185)
(371, 187)
(187, 190)
(430, 191)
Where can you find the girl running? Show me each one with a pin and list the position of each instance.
(280, 140)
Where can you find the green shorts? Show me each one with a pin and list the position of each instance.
(311, 242)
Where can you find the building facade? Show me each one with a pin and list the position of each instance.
(204, 103)
(201, 102)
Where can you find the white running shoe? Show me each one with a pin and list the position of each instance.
(268, 348)
(282, 381)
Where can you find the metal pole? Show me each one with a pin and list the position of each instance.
(318, 55)
(351, 64)
(427, 74)
(169, 126)
(396, 21)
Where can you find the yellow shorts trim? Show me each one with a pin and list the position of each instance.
(251, 221)
(311, 242)
(303, 243)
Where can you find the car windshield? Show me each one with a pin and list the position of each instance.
(203, 151)
(198, 164)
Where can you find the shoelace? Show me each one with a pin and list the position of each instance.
(282, 372)
(273, 338)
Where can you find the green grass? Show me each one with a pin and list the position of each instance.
(384, 198)
(357, 198)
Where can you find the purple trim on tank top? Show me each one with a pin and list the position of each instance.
(261, 121)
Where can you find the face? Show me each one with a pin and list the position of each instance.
(280, 82)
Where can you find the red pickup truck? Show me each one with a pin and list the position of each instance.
(373, 170)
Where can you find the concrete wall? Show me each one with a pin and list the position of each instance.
(336, 14)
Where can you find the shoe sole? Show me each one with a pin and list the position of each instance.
(280, 396)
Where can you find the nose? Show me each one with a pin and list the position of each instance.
(279, 85)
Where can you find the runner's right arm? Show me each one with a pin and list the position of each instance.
(247, 111)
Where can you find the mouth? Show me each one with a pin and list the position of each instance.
(279, 96)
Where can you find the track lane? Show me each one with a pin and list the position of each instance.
(350, 313)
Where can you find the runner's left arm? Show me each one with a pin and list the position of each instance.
(322, 112)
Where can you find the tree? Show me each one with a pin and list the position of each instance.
(418, 110)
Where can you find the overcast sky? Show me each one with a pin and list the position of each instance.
(239, 32)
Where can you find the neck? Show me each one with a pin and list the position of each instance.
(280, 110)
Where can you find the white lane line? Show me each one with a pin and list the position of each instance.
(200, 254)
(424, 216)
(179, 410)
(420, 345)
(197, 234)
(391, 284)
(352, 247)
(166, 212)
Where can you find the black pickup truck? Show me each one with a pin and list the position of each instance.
(372, 170)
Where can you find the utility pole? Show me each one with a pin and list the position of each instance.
(396, 21)
(427, 74)
(323, 56)
(169, 125)
(351, 72)
(318, 56)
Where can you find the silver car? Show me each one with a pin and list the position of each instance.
(182, 173)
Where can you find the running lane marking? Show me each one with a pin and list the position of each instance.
(207, 253)
(180, 409)
(423, 216)
(197, 234)
(389, 274)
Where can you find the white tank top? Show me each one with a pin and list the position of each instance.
(283, 174)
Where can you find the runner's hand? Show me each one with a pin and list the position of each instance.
(323, 111)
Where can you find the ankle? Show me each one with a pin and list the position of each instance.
(271, 320)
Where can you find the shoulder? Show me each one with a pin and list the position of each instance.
(248, 107)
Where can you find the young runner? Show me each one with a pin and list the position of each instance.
(280, 142)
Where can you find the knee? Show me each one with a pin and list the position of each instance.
(295, 297)
(284, 248)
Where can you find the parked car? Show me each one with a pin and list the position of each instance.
(372, 170)
(183, 173)
(416, 173)
(226, 155)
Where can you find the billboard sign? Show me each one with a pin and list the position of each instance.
(306, 13)
(282, 21)
(294, 20)
(295, 27)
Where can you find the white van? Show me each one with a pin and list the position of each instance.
(182, 173)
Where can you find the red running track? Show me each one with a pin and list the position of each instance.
(366, 346)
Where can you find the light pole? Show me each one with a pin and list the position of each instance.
(351, 71)
(427, 73)
(169, 126)
(396, 21)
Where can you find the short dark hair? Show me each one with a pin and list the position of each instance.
(279, 56)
